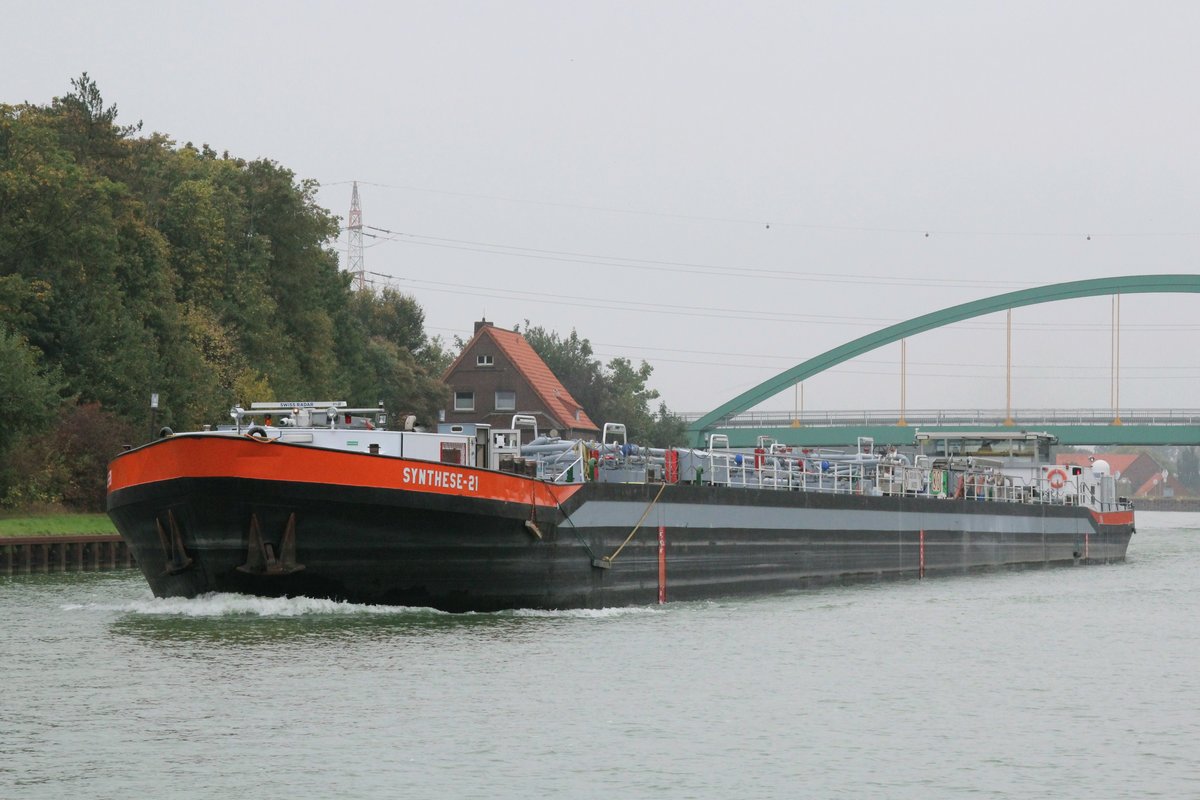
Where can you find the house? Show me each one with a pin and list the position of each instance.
(498, 374)
(1137, 474)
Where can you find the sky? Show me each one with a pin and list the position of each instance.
(721, 189)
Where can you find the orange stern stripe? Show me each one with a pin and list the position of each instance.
(230, 457)
(1113, 517)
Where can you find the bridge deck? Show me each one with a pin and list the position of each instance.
(1072, 426)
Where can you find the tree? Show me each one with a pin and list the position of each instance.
(437, 356)
(130, 264)
(396, 362)
(613, 393)
(570, 359)
(29, 392)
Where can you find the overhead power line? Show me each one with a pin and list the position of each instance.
(774, 222)
(716, 312)
(685, 267)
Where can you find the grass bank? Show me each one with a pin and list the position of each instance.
(55, 524)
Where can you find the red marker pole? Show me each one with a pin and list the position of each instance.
(921, 572)
(662, 564)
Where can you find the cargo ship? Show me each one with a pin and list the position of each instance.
(321, 500)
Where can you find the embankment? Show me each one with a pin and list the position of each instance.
(25, 555)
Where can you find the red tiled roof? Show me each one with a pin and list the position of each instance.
(1154, 480)
(554, 396)
(1118, 462)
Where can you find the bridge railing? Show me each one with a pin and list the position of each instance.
(943, 417)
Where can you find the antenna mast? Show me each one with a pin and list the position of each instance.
(354, 255)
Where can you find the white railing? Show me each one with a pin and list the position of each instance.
(567, 473)
(835, 474)
(848, 477)
(811, 474)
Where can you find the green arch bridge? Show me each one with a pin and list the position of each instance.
(1077, 427)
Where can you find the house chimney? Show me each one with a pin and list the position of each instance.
(483, 323)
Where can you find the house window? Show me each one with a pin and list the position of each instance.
(464, 401)
(484, 361)
(506, 401)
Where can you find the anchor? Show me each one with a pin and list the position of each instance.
(261, 558)
(173, 551)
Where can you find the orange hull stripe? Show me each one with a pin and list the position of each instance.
(253, 459)
(1113, 517)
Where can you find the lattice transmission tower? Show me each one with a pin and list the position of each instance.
(354, 254)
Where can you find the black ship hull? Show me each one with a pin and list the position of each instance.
(460, 552)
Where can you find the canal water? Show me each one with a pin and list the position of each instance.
(1063, 683)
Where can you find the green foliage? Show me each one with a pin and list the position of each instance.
(131, 265)
(613, 393)
(669, 430)
(570, 359)
(398, 363)
(56, 524)
(436, 356)
(29, 393)
(67, 463)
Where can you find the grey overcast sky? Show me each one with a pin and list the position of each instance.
(722, 189)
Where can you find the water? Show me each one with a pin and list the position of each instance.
(1044, 683)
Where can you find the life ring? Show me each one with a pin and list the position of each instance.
(1057, 478)
(257, 431)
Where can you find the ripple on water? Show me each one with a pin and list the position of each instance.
(1063, 683)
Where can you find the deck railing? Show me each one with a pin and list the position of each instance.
(891, 479)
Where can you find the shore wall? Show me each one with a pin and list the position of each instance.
(26, 555)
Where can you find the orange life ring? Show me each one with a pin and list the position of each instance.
(1056, 478)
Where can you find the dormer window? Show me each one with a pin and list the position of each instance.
(484, 361)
